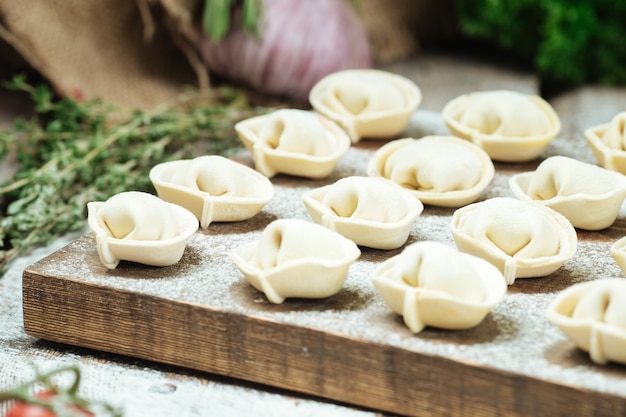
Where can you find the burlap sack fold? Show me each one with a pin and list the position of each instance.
(395, 27)
(142, 52)
(95, 48)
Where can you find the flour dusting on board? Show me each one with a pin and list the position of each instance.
(515, 337)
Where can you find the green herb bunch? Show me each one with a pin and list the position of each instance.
(71, 152)
(567, 42)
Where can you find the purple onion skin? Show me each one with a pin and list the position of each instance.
(301, 42)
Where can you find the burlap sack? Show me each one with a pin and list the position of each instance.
(139, 53)
(118, 50)
(395, 27)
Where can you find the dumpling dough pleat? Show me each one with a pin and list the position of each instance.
(522, 238)
(296, 142)
(432, 284)
(506, 113)
(367, 199)
(360, 95)
(515, 229)
(367, 103)
(593, 315)
(140, 227)
(604, 304)
(615, 136)
(589, 196)
(297, 131)
(296, 259)
(430, 267)
(372, 212)
(419, 166)
(216, 176)
(283, 241)
(139, 216)
(439, 170)
(562, 176)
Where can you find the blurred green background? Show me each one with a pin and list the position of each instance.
(568, 42)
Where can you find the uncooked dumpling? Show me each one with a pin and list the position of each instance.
(295, 142)
(615, 134)
(522, 238)
(508, 125)
(214, 188)
(432, 284)
(294, 258)
(593, 315)
(589, 196)
(367, 103)
(618, 252)
(439, 170)
(371, 212)
(140, 227)
(608, 143)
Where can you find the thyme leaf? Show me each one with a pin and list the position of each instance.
(71, 152)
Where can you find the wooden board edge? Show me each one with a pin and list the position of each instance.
(295, 358)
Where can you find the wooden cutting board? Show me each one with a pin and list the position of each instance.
(202, 314)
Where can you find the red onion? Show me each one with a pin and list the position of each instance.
(301, 42)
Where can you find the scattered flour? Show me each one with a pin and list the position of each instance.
(516, 337)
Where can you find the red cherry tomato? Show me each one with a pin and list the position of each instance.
(23, 409)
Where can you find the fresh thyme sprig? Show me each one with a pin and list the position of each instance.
(43, 396)
(70, 153)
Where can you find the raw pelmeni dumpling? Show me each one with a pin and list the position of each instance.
(593, 315)
(439, 170)
(296, 259)
(294, 142)
(608, 143)
(140, 227)
(214, 188)
(371, 212)
(522, 238)
(618, 252)
(432, 284)
(508, 125)
(615, 134)
(367, 103)
(589, 196)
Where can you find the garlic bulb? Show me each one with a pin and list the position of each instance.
(301, 42)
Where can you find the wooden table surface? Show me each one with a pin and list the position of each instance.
(147, 388)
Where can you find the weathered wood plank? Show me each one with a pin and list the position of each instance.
(559, 379)
(302, 359)
(350, 348)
